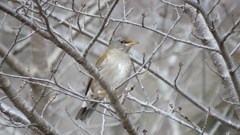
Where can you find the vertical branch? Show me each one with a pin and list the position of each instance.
(39, 68)
(220, 42)
(101, 29)
(218, 61)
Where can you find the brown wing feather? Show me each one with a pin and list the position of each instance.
(98, 66)
(100, 60)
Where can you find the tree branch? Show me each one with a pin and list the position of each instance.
(25, 108)
(17, 117)
(214, 33)
(13, 62)
(81, 60)
(105, 20)
(220, 63)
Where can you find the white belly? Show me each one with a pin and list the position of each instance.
(119, 69)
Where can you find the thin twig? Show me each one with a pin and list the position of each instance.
(48, 103)
(159, 111)
(105, 20)
(99, 9)
(213, 8)
(4, 18)
(213, 70)
(143, 18)
(206, 120)
(231, 30)
(142, 87)
(229, 102)
(235, 49)
(179, 71)
(75, 123)
(103, 122)
(178, 110)
(14, 43)
(234, 70)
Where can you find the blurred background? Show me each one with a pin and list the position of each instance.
(142, 21)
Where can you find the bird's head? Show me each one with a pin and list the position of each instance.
(121, 42)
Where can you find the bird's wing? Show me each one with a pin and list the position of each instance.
(88, 85)
(99, 67)
(100, 61)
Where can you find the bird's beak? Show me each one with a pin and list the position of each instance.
(132, 43)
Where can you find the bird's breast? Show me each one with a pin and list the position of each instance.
(115, 69)
(119, 67)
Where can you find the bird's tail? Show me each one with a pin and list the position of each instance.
(86, 112)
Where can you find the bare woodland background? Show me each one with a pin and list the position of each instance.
(186, 78)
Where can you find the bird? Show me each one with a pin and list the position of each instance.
(115, 66)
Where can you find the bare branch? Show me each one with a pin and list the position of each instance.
(80, 59)
(84, 129)
(169, 115)
(105, 20)
(178, 110)
(213, 70)
(166, 36)
(16, 116)
(5, 15)
(103, 122)
(23, 106)
(192, 99)
(206, 120)
(217, 40)
(213, 8)
(48, 103)
(235, 49)
(179, 71)
(231, 30)
(226, 101)
(143, 18)
(14, 43)
(231, 81)
(13, 61)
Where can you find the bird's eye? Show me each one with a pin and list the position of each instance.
(121, 42)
